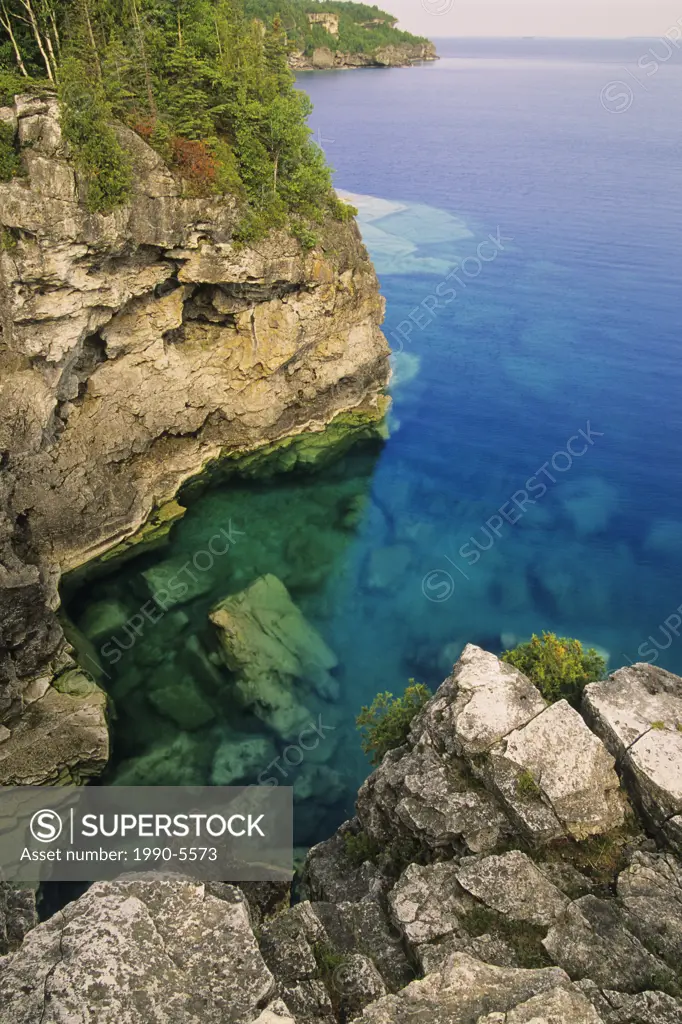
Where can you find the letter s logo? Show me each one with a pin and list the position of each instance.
(46, 826)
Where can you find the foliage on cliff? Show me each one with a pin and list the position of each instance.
(362, 28)
(200, 80)
(559, 666)
(385, 724)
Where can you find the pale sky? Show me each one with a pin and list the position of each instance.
(610, 19)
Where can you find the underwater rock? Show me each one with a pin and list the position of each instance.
(239, 759)
(387, 566)
(179, 698)
(637, 712)
(178, 762)
(175, 582)
(103, 619)
(276, 655)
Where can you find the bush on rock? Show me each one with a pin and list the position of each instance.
(385, 724)
(559, 666)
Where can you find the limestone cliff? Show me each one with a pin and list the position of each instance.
(135, 348)
(394, 55)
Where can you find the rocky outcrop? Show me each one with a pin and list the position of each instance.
(486, 760)
(137, 348)
(399, 923)
(395, 55)
(142, 951)
(638, 713)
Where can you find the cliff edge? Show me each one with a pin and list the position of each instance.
(136, 348)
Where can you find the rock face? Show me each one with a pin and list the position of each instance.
(398, 55)
(638, 713)
(402, 921)
(140, 951)
(486, 759)
(17, 916)
(137, 347)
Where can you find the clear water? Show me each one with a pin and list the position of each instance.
(574, 321)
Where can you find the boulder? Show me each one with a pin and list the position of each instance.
(465, 990)
(239, 759)
(590, 939)
(650, 890)
(486, 759)
(61, 738)
(178, 762)
(144, 951)
(322, 58)
(616, 1007)
(637, 712)
(177, 697)
(512, 885)
(276, 655)
(569, 767)
(428, 903)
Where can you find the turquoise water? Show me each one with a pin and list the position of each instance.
(528, 241)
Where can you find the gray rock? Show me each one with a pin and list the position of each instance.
(427, 903)
(17, 915)
(330, 875)
(62, 737)
(560, 1006)
(638, 713)
(572, 770)
(144, 951)
(512, 885)
(591, 940)
(650, 891)
(463, 991)
(622, 1008)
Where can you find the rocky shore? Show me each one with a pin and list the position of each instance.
(395, 55)
(513, 863)
(137, 349)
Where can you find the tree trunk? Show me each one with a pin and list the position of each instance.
(6, 23)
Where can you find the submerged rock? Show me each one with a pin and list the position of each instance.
(276, 655)
(239, 759)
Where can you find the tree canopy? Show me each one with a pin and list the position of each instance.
(203, 81)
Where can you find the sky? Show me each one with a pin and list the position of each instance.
(610, 19)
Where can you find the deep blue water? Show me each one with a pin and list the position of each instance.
(568, 186)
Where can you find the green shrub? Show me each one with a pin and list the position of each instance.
(10, 165)
(558, 666)
(86, 126)
(386, 723)
(360, 848)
